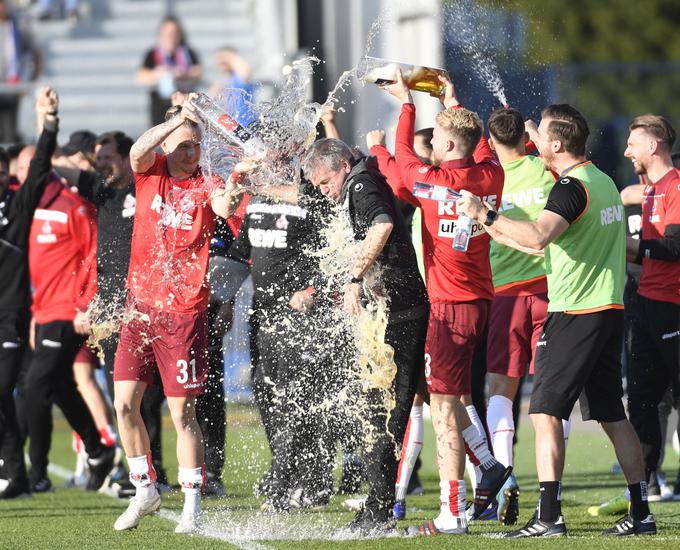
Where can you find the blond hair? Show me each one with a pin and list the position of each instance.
(464, 125)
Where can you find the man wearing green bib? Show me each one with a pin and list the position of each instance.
(581, 231)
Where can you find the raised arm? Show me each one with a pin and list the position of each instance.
(142, 155)
(47, 107)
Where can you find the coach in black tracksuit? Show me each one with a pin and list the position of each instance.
(376, 221)
(16, 214)
(287, 372)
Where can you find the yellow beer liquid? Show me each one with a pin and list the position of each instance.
(417, 78)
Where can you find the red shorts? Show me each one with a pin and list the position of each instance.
(453, 332)
(515, 324)
(87, 355)
(176, 342)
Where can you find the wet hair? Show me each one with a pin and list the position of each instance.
(506, 126)
(464, 125)
(174, 19)
(327, 152)
(176, 110)
(568, 126)
(426, 135)
(123, 141)
(656, 126)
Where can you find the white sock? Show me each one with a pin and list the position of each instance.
(413, 442)
(566, 428)
(502, 428)
(451, 505)
(476, 444)
(191, 480)
(142, 475)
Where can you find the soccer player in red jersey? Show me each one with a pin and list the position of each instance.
(460, 290)
(168, 296)
(655, 342)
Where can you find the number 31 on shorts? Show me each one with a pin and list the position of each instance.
(183, 376)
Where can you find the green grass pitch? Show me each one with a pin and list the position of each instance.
(75, 519)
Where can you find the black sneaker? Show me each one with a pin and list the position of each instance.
(42, 485)
(100, 467)
(492, 481)
(537, 528)
(628, 526)
(213, 487)
(16, 489)
(508, 502)
(370, 523)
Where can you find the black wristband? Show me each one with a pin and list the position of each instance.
(491, 216)
(355, 280)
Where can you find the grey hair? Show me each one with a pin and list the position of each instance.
(327, 152)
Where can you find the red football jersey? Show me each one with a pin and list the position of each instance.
(452, 276)
(660, 279)
(173, 225)
(62, 255)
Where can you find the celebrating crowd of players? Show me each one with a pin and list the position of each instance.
(540, 288)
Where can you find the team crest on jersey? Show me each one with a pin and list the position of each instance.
(282, 222)
(358, 186)
(564, 180)
(423, 169)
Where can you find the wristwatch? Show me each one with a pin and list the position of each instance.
(491, 216)
(351, 280)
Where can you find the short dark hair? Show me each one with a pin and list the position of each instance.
(568, 126)
(506, 126)
(655, 125)
(123, 141)
(426, 135)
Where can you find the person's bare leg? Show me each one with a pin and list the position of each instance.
(549, 447)
(189, 436)
(446, 415)
(135, 440)
(128, 400)
(629, 454)
(627, 448)
(190, 457)
(500, 384)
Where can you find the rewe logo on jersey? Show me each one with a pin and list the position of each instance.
(168, 216)
(611, 214)
(267, 238)
(522, 198)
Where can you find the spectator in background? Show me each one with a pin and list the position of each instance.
(47, 10)
(234, 84)
(168, 67)
(20, 61)
(80, 150)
